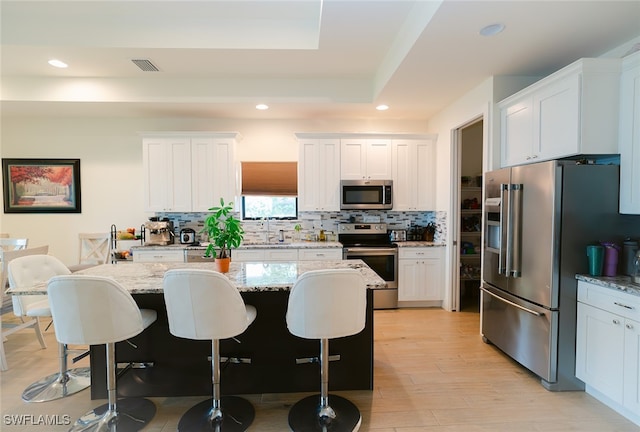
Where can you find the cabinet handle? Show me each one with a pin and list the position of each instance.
(623, 305)
(616, 322)
(629, 326)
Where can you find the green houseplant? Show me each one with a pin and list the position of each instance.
(225, 232)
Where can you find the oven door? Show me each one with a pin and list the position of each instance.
(383, 261)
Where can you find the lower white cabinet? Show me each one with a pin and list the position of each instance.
(607, 347)
(159, 255)
(420, 274)
(321, 254)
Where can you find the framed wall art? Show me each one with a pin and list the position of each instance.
(41, 185)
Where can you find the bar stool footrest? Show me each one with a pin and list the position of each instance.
(303, 415)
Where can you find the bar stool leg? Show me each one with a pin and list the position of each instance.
(125, 415)
(63, 383)
(314, 414)
(220, 413)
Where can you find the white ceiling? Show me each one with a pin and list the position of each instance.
(305, 58)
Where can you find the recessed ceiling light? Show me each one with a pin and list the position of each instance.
(382, 107)
(57, 63)
(262, 106)
(492, 30)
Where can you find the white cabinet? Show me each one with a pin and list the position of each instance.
(365, 159)
(629, 138)
(271, 254)
(607, 347)
(413, 174)
(320, 254)
(159, 255)
(186, 172)
(319, 175)
(167, 169)
(420, 274)
(571, 112)
(213, 172)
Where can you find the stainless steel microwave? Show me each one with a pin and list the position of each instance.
(366, 195)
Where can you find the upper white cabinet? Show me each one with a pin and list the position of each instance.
(186, 172)
(319, 175)
(365, 159)
(166, 163)
(571, 112)
(629, 139)
(413, 174)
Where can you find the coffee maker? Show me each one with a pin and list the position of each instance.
(159, 232)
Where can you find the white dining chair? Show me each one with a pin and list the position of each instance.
(9, 244)
(94, 249)
(29, 322)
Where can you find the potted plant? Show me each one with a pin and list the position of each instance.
(225, 232)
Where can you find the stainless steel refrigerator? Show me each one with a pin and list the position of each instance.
(538, 220)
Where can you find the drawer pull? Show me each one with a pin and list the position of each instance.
(616, 322)
(629, 326)
(623, 305)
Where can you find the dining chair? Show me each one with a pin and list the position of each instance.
(33, 322)
(9, 244)
(94, 249)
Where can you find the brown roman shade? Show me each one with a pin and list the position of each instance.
(270, 178)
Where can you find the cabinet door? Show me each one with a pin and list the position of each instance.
(323, 254)
(159, 256)
(167, 168)
(243, 255)
(599, 350)
(632, 365)
(212, 171)
(353, 159)
(413, 174)
(629, 138)
(516, 132)
(556, 117)
(281, 255)
(319, 175)
(420, 274)
(409, 280)
(425, 184)
(378, 159)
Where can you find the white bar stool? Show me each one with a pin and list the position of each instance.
(326, 304)
(205, 305)
(93, 310)
(26, 271)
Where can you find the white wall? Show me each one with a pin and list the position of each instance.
(110, 154)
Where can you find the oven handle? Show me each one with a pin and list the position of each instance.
(371, 251)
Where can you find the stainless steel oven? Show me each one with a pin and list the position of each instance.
(370, 243)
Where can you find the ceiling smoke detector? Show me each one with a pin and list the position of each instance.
(145, 65)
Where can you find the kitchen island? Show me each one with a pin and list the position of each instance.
(260, 360)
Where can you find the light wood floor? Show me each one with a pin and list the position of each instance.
(432, 373)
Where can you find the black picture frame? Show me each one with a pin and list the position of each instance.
(41, 185)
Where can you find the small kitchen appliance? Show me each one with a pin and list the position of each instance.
(398, 235)
(159, 232)
(366, 194)
(187, 236)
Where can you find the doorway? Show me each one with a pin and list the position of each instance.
(469, 215)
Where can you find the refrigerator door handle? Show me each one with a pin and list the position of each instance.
(504, 211)
(516, 231)
(509, 302)
(508, 238)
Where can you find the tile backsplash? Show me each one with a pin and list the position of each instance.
(313, 222)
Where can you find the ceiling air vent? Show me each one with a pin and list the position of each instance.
(145, 65)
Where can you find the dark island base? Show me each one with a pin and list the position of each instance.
(181, 366)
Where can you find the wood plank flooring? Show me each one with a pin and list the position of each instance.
(432, 373)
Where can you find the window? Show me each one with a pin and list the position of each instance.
(273, 207)
(269, 190)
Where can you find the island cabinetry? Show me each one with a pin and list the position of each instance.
(629, 139)
(319, 175)
(272, 254)
(166, 165)
(413, 174)
(159, 255)
(608, 347)
(365, 159)
(186, 172)
(420, 276)
(571, 112)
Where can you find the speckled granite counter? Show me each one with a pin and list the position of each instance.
(146, 278)
(413, 244)
(620, 283)
(251, 245)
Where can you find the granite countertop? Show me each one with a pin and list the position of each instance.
(620, 283)
(146, 278)
(251, 245)
(420, 243)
